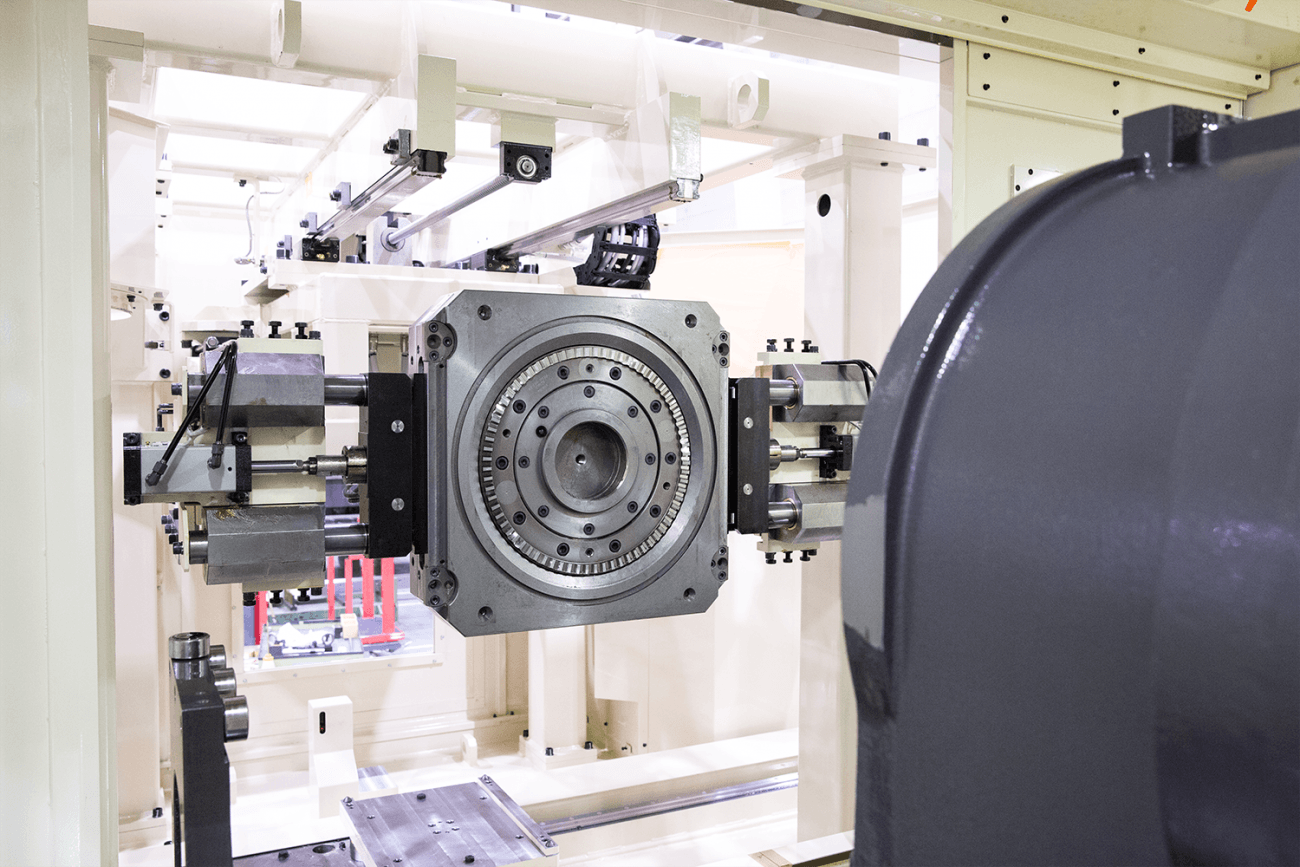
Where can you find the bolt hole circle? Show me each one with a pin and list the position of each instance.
(615, 546)
(519, 406)
(543, 511)
(588, 529)
(563, 372)
(689, 595)
(563, 549)
(503, 462)
(485, 312)
(691, 320)
(655, 511)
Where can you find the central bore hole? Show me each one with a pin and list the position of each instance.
(595, 457)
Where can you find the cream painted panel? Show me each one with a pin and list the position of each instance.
(1092, 94)
(997, 139)
(1283, 94)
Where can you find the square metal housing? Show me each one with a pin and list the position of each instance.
(654, 375)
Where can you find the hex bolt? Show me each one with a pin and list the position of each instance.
(650, 459)
(543, 510)
(655, 406)
(523, 462)
(789, 344)
(770, 557)
(789, 557)
(563, 373)
(247, 328)
(519, 406)
(615, 546)
(275, 328)
(884, 136)
(771, 344)
(398, 504)
(805, 557)
(519, 518)
(807, 345)
(631, 507)
(543, 412)
(397, 426)
(615, 373)
(302, 330)
(563, 551)
(655, 511)
(670, 458)
(177, 389)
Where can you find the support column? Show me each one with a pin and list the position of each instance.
(852, 271)
(557, 697)
(57, 755)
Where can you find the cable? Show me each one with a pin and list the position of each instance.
(865, 367)
(156, 474)
(219, 444)
(247, 258)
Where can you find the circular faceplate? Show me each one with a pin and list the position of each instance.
(584, 462)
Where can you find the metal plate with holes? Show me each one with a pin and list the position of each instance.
(472, 823)
(573, 445)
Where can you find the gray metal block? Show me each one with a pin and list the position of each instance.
(284, 543)
(825, 393)
(271, 389)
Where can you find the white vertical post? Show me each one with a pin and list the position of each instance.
(57, 758)
(852, 272)
(557, 697)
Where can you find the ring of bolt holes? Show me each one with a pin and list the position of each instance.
(504, 523)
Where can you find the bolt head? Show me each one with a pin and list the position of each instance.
(748, 489)
(749, 423)
(398, 504)
(397, 426)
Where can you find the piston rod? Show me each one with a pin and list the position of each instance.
(339, 541)
(784, 392)
(780, 454)
(395, 237)
(782, 514)
(351, 464)
(345, 389)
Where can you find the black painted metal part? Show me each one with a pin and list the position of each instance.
(1072, 550)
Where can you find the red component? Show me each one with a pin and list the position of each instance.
(259, 618)
(367, 587)
(389, 599)
(347, 579)
(382, 637)
(329, 583)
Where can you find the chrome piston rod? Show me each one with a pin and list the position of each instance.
(339, 541)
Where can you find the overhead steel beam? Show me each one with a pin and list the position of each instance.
(988, 24)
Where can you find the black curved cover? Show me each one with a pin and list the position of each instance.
(1072, 551)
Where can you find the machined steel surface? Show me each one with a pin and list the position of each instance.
(576, 470)
(823, 393)
(264, 542)
(345, 389)
(397, 236)
(819, 507)
(1071, 562)
(234, 714)
(472, 823)
(270, 389)
(188, 646)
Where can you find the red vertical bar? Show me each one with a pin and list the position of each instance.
(386, 590)
(329, 583)
(367, 587)
(347, 579)
(259, 618)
